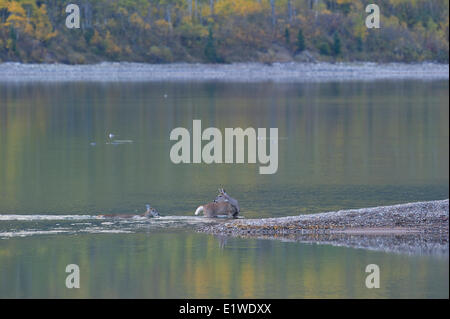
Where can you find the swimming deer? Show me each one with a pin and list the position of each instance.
(150, 212)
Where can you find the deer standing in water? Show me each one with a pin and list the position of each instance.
(222, 205)
(224, 197)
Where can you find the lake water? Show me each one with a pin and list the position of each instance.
(341, 145)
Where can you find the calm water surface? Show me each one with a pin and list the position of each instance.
(342, 145)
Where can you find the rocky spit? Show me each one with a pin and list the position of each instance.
(415, 228)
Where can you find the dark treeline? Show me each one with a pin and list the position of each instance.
(162, 31)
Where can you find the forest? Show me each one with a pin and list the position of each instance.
(223, 31)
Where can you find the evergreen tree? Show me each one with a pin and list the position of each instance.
(300, 41)
(210, 49)
(336, 45)
(287, 36)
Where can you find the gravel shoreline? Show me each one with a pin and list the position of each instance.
(420, 227)
(291, 72)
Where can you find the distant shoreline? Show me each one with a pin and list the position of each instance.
(289, 72)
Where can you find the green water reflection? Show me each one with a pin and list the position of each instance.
(190, 265)
(342, 145)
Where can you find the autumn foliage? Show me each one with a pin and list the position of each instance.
(162, 31)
